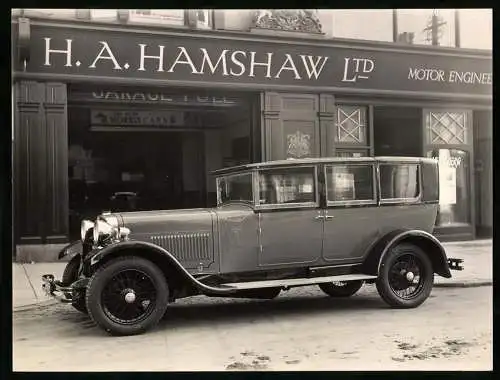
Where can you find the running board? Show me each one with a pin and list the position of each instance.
(296, 281)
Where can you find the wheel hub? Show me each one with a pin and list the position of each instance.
(410, 276)
(129, 296)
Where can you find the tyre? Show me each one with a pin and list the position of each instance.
(406, 276)
(127, 295)
(69, 276)
(341, 288)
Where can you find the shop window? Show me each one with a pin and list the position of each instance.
(50, 13)
(351, 125)
(427, 26)
(158, 16)
(350, 183)
(203, 18)
(373, 24)
(104, 14)
(476, 28)
(454, 197)
(446, 127)
(399, 182)
(287, 186)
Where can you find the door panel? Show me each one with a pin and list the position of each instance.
(348, 232)
(448, 136)
(291, 126)
(351, 222)
(290, 237)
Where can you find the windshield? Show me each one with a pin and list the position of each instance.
(235, 188)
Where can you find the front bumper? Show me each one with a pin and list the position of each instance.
(65, 294)
(455, 264)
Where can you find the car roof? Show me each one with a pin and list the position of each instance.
(313, 161)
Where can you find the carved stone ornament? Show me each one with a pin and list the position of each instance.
(299, 144)
(293, 20)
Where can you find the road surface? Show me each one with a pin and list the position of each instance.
(300, 330)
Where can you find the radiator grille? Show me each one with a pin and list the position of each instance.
(187, 246)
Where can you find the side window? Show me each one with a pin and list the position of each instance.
(235, 188)
(399, 181)
(287, 186)
(350, 183)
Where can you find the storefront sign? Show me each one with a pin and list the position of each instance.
(110, 95)
(141, 118)
(117, 54)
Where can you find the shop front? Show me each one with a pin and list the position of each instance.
(157, 110)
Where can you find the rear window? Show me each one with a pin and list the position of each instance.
(430, 182)
(399, 181)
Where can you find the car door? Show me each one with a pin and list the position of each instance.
(351, 211)
(289, 216)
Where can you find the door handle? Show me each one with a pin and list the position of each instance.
(319, 217)
(329, 217)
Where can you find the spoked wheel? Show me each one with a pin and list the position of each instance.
(127, 296)
(406, 277)
(341, 288)
(69, 276)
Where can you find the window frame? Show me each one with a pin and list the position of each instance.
(102, 15)
(250, 202)
(210, 19)
(295, 205)
(343, 203)
(391, 201)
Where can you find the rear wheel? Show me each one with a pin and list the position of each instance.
(127, 295)
(69, 276)
(406, 276)
(341, 288)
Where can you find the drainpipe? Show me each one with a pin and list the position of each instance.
(395, 25)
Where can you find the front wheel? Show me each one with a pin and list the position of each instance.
(406, 276)
(127, 295)
(341, 288)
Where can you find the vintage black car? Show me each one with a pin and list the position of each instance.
(331, 222)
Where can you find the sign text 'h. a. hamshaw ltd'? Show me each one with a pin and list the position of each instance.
(247, 62)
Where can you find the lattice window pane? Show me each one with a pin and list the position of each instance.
(351, 125)
(447, 127)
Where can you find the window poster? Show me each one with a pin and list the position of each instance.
(447, 179)
(344, 186)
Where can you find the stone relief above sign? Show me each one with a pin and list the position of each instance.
(231, 61)
(295, 20)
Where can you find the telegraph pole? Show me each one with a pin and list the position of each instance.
(434, 28)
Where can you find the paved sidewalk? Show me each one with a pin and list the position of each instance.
(478, 271)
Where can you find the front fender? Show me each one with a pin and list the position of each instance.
(71, 250)
(431, 246)
(114, 250)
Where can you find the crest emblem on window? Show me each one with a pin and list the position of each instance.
(299, 144)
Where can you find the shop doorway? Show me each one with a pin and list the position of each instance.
(149, 157)
(397, 131)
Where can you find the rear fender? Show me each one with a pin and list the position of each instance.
(428, 243)
(164, 259)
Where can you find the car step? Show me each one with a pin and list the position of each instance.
(296, 281)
